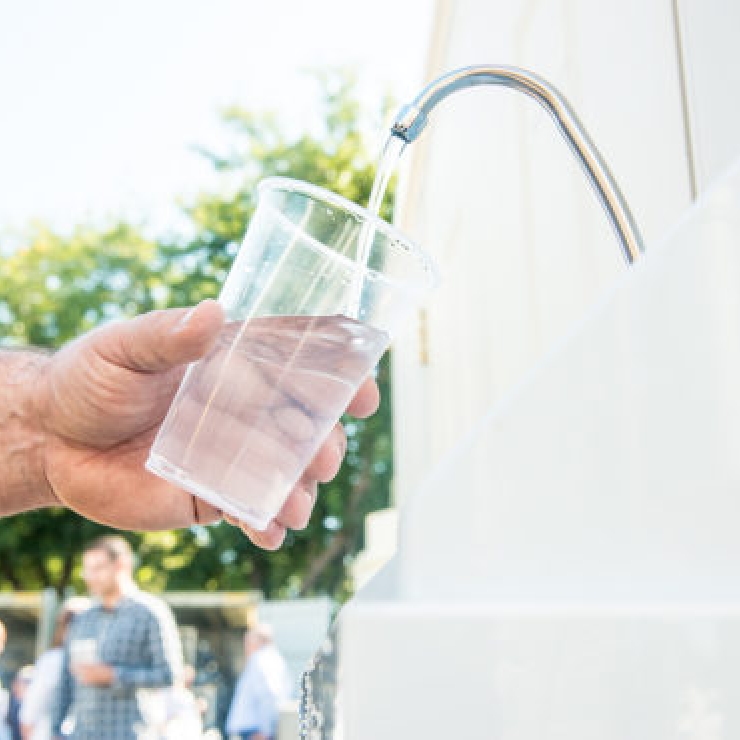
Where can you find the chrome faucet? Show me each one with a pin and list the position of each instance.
(411, 120)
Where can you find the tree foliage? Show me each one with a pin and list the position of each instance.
(55, 287)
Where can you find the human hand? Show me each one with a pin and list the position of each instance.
(94, 674)
(102, 400)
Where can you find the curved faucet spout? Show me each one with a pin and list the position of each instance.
(411, 120)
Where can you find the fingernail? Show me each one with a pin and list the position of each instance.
(311, 490)
(185, 320)
(342, 448)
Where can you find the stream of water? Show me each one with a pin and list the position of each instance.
(390, 154)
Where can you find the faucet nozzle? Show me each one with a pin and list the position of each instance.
(409, 123)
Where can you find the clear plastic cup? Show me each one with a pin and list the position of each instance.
(308, 318)
(83, 651)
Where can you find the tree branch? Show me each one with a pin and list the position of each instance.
(340, 543)
(66, 575)
(8, 572)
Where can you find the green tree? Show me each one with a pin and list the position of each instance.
(53, 289)
(57, 287)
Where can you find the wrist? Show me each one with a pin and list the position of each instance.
(23, 482)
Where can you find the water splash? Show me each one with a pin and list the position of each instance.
(320, 700)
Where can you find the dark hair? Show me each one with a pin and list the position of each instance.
(114, 546)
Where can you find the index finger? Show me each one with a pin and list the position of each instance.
(366, 400)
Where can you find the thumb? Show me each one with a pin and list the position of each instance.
(160, 340)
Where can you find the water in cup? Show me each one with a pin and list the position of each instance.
(260, 404)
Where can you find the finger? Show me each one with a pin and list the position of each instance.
(296, 511)
(269, 539)
(328, 459)
(366, 400)
(160, 340)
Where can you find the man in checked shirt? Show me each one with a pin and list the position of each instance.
(127, 641)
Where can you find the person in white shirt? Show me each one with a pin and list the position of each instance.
(4, 693)
(40, 695)
(264, 683)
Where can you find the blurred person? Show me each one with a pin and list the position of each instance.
(17, 696)
(38, 702)
(79, 423)
(4, 693)
(126, 642)
(264, 683)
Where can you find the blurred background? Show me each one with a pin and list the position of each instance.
(132, 136)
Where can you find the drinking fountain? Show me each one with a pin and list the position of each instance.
(590, 589)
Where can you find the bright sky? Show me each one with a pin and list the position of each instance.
(101, 102)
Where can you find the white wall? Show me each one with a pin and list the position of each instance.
(709, 32)
(493, 192)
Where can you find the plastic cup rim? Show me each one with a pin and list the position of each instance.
(315, 192)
